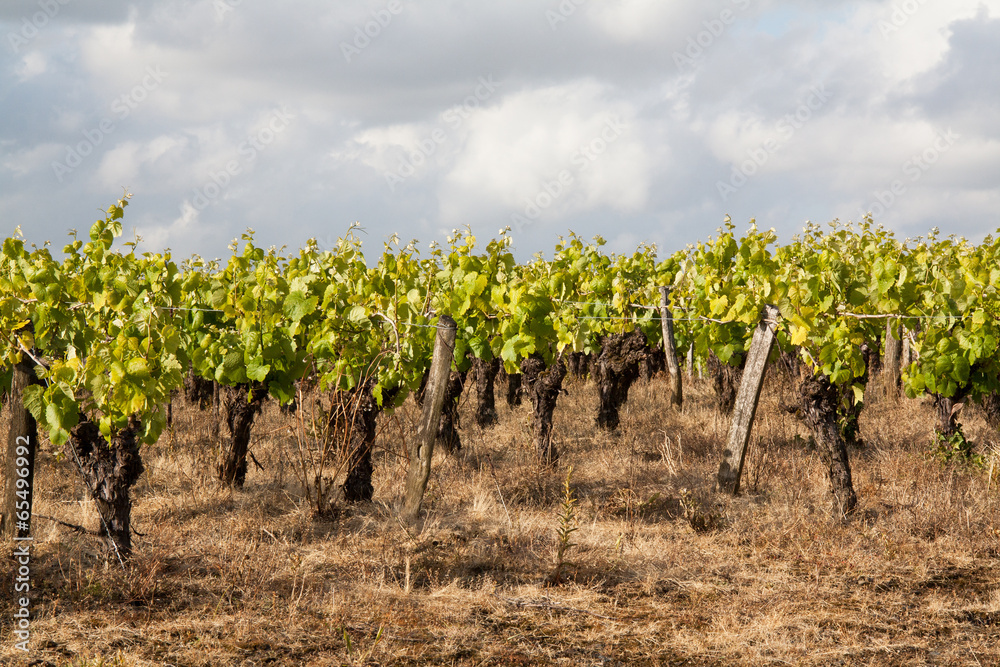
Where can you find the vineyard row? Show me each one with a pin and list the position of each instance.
(97, 375)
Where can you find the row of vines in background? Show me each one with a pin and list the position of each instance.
(113, 333)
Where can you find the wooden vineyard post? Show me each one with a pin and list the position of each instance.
(22, 443)
(746, 402)
(216, 417)
(893, 352)
(906, 353)
(422, 447)
(670, 349)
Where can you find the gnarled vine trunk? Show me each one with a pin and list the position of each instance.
(948, 409)
(850, 413)
(198, 391)
(543, 385)
(353, 415)
(486, 374)
(726, 380)
(447, 435)
(616, 369)
(873, 357)
(819, 403)
(243, 403)
(578, 364)
(654, 361)
(110, 469)
(514, 390)
(990, 404)
(850, 407)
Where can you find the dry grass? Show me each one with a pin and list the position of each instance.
(664, 569)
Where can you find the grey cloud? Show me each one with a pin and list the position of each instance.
(228, 70)
(80, 11)
(965, 87)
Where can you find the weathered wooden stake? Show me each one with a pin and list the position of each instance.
(893, 352)
(906, 354)
(22, 442)
(670, 349)
(216, 414)
(422, 446)
(746, 401)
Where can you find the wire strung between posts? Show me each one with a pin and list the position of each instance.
(197, 310)
(609, 305)
(424, 326)
(702, 318)
(74, 305)
(699, 318)
(862, 316)
(215, 310)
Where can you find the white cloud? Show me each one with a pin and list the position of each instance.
(571, 139)
(30, 160)
(402, 150)
(641, 20)
(122, 164)
(912, 37)
(186, 226)
(31, 65)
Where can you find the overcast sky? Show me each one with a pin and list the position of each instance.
(639, 120)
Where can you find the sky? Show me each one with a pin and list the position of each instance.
(636, 120)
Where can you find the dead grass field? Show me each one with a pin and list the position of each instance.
(771, 577)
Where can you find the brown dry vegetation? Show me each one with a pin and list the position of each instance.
(665, 570)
